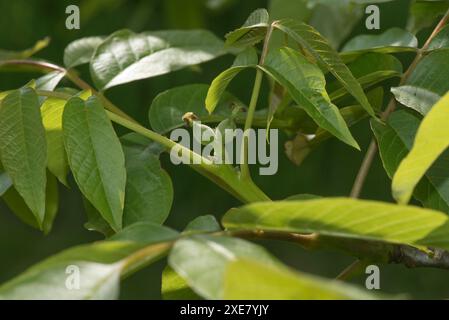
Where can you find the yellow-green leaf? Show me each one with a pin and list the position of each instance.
(431, 141)
(347, 218)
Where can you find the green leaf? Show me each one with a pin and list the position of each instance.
(9, 55)
(395, 140)
(95, 157)
(170, 106)
(306, 84)
(391, 41)
(346, 218)
(100, 266)
(430, 142)
(80, 51)
(145, 233)
(424, 13)
(441, 40)
(23, 148)
(18, 206)
(253, 30)
(149, 190)
(126, 56)
(245, 278)
(5, 182)
(51, 111)
(95, 222)
(369, 69)
(322, 52)
(247, 58)
(203, 224)
(335, 20)
(202, 261)
(174, 287)
(427, 84)
(311, 137)
(49, 81)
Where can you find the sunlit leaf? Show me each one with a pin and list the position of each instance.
(23, 148)
(245, 278)
(202, 261)
(430, 142)
(323, 53)
(245, 59)
(95, 157)
(395, 140)
(99, 266)
(81, 51)
(346, 218)
(126, 56)
(252, 31)
(306, 84)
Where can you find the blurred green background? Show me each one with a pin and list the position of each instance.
(329, 171)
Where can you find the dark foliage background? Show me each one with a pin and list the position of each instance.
(329, 171)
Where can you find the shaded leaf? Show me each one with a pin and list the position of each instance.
(9, 55)
(203, 224)
(424, 13)
(18, 206)
(391, 41)
(149, 190)
(170, 106)
(369, 69)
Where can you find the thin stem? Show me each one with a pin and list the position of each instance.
(41, 65)
(372, 150)
(164, 141)
(246, 175)
(364, 169)
(364, 250)
(223, 175)
(72, 76)
(351, 270)
(249, 122)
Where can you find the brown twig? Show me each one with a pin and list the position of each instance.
(372, 150)
(366, 251)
